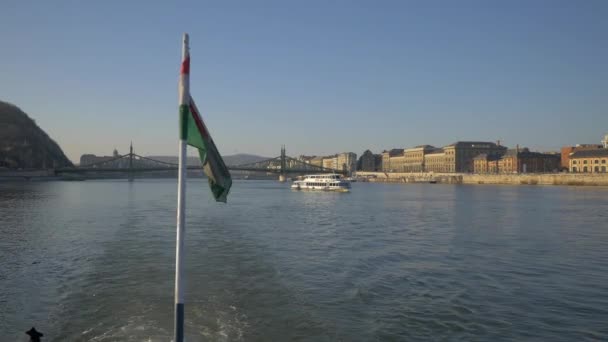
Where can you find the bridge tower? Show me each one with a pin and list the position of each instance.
(282, 177)
(131, 162)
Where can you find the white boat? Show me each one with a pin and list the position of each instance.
(329, 182)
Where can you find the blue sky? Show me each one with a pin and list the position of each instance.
(319, 76)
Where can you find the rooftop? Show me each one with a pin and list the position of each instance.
(474, 144)
(590, 153)
(394, 152)
(525, 152)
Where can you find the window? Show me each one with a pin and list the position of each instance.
(585, 169)
(574, 162)
(574, 169)
(597, 161)
(603, 161)
(584, 162)
(604, 169)
(596, 169)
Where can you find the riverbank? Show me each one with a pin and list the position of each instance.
(600, 179)
(49, 175)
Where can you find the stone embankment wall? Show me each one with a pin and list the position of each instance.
(512, 179)
(413, 177)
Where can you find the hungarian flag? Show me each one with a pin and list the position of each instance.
(196, 134)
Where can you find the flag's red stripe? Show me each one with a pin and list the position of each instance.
(186, 66)
(198, 121)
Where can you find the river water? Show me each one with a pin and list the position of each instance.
(93, 261)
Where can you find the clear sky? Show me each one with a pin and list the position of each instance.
(319, 76)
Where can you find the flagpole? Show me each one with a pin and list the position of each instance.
(184, 100)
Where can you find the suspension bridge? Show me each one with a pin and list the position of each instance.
(133, 163)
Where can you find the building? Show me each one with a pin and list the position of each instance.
(88, 159)
(486, 163)
(316, 161)
(393, 160)
(346, 161)
(414, 157)
(435, 161)
(605, 141)
(378, 161)
(566, 151)
(523, 161)
(516, 161)
(330, 162)
(367, 162)
(589, 161)
(305, 159)
(458, 157)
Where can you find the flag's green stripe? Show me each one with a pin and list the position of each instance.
(194, 136)
(184, 114)
(213, 165)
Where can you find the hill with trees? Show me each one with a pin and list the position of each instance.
(25, 145)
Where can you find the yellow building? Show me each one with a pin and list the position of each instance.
(590, 161)
(435, 161)
(414, 158)
(393, 160)
(459, 155)
(330, 162)
(316, 161)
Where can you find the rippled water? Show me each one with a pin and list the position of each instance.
(93, 261)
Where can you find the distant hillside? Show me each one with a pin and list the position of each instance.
(242, 158)
(192, 161)
(235, 159)
(25, 145)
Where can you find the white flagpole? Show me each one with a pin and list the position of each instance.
(184, 100)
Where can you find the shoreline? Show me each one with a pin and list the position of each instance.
(564, 179)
